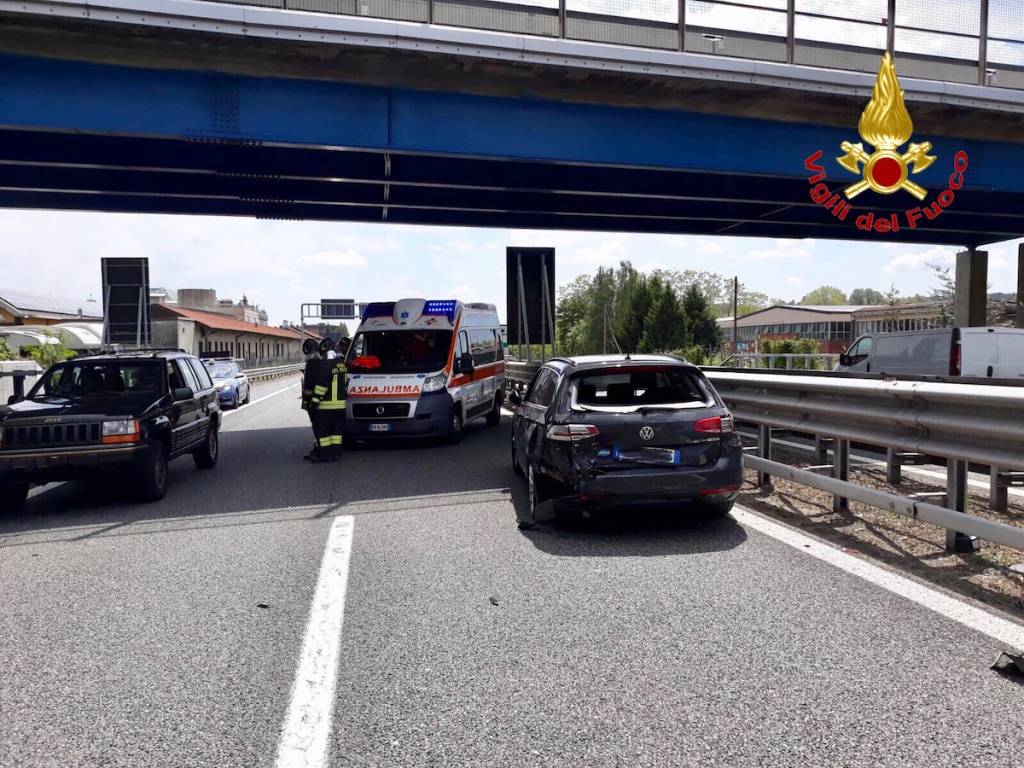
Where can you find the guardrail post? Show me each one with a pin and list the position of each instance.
(956, 498)
(764, 450)
(19, 385)
(893, 466)
(998, 492)
(821, 446)
(841, 471)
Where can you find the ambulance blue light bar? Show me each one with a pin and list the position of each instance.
(379, 309)
(446, 308)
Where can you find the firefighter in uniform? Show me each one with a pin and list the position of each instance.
(329, 401)
(309, 378)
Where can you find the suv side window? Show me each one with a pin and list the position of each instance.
(187, 376)
(201, 374)
(174, 377)
(543, 389)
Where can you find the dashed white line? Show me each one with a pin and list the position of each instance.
(997, 628)
(307, 725)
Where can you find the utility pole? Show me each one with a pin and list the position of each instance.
(735, 308)
(604, 339)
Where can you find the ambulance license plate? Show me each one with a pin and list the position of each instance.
(380, 427)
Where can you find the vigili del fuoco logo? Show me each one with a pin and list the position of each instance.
(885, 125)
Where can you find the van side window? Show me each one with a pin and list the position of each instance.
(483, 347)
(862, 348)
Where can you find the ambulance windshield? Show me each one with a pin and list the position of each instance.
(403, 351)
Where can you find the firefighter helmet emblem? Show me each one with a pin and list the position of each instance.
(885, 124)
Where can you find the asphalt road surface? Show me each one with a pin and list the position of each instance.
(133, 634)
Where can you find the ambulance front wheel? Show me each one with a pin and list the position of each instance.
(494, 415)
(455, 426)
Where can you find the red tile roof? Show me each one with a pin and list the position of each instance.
(218, 322)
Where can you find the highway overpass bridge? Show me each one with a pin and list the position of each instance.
(179, 106)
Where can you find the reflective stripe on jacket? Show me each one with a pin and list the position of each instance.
(330, 392)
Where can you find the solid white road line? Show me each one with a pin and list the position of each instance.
(308, 722)
(259, 400)
(997, 628)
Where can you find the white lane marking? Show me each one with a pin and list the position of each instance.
(910, 470)
(997, 628)
(308, 722)
(259, 400)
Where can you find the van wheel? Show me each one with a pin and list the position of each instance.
(12, 497)
(494, 415)
(205, 456)
(455, 427)
(153, 473)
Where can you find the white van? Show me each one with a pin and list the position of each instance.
(424, 368)
(995, 353)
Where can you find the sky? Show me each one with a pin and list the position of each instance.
(281, 264)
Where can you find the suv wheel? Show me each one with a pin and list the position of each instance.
(205, 456)
(455, 427)
(12, 497)
(494, 415)
(153, 473)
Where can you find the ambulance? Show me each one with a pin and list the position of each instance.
(424, 368)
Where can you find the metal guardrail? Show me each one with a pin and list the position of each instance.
(789, 362)
(18, 377)
(273, 372)
(961, 43)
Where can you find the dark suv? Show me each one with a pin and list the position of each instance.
(610, 430)
(123, 413)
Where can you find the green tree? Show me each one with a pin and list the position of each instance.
(632, 303)
(866, 297)
(826, 295)
(665, 325)
(571, 313)
(5, 350)
(597, 333)
(51, 352)
(700, 323)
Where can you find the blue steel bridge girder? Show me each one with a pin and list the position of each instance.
(117, 138)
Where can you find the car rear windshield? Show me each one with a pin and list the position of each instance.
(222, 370)
(636, 388)
(82, 379)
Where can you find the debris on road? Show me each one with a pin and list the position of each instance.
(262, 605)
(494, 600)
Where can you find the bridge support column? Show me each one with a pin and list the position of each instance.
(956, 498)
(971, 300)
(841, 471)
(1020, 286)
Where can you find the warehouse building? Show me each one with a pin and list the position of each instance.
(208, 333)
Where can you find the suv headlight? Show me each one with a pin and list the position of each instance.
(120, 431)
(435, 382)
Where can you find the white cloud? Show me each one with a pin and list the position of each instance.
(346, 258)
(464, 293)
(794, 280)
(919, 260)
(651, 266)
(784, 250)
(709, 247)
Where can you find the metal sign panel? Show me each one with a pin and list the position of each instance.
(338, 309)
(532, 260)
(126, 318)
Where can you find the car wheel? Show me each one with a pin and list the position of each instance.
(494, 415)
(516, 467)
(248, 396)
(205, 456)
(12, 497)
(455, 428)
(534, 489)
(716, 508)
(153, 473)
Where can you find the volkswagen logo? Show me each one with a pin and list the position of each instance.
(647, 433)
(380, 410)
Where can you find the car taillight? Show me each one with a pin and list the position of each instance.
(120, 431)
(570, 432)
(714, 425)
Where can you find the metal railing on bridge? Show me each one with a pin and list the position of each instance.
(971, 41)
(788, 362)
